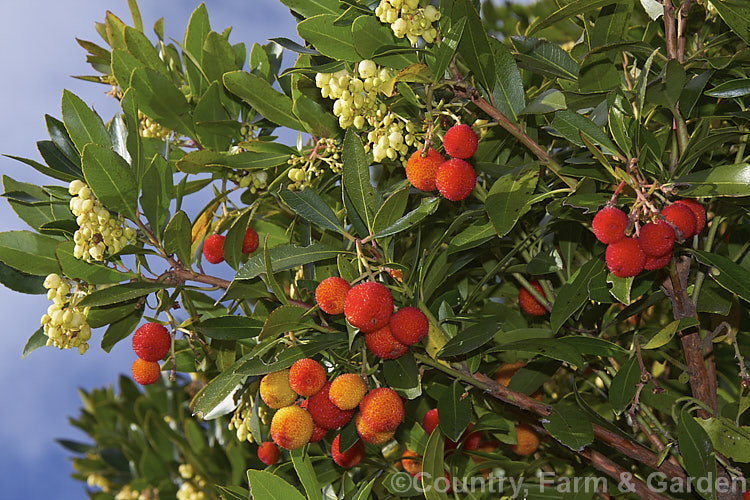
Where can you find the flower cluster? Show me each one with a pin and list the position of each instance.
(64, 322)
(240, 421)
(97, 229)
(325, 154)
(391, 138)
(149, 128)
(408, 19)
(192, 488)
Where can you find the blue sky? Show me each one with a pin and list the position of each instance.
(38, 54)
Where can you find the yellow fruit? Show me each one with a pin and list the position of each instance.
(347, 391)
(291, 427)
(527, 440)
(275, 390)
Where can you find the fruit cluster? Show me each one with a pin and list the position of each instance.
(213, 246)
(454, 178)
(193, 486)
(651, 249)
(329, 405)
(151, 343)
(65, 323)
(149, 128)
(408, 19)
(325, 155)
(97, 230)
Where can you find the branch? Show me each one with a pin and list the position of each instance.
(681, 26)
(669, 29)
(620, 475)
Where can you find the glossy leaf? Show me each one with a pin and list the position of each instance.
(284, 319)
(697, 454)
(356, 178)
(252, 365)
(161, 101)
(736, 13)
(433, 467)
(475, 45)
(722, 180)
(259, 94)
(38, 339)
(331, 39)
(230, 327)
(567, 11)
(29, 252)
(120, 329)
(508, 199)
(177, 237)
(266, 486)
(448, 48)
(308, 8)
(235, 238)
(121, 293)
(286, 257)
(391, 210)
(83, 125)
(550, 348)
(156, 193)
(470, 339)
(94, 273)
(541, 56)
(570, 125)
(573, 295)
(21, 282)
(623, 387)
(310, 206)
(666, 334)
(729, 439)
(454, 411)
(729, 275)
(371, 37)
(111, 180)
(569, 425)
(305, 472)
(402, 373)
(508, 92)
(427, 207)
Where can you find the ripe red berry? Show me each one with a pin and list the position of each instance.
(350, 457)
(470, 440)
(368, 306)
(421, 171)
(306, 377)
(430, 421)
(318, 431)
(698, 210)
(370, 436)
(268, 452)
(455, 179)
(325, 414)
(383, 345)
(625, 258)
(460, 141)
(682, 217)
(408, 325)
(656, 238)
(382, 409)
(151, 342)
(609, 225)
(331, 294)
(250, 241)
(145, 372)
(528, 303)
(653, 263)
(213, 248)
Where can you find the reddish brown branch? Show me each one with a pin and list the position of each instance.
(681, 27)
(669, 29)
(620, 475)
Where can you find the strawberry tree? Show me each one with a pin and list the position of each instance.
(509, 244)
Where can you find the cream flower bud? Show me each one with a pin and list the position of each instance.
(84, 193)
(75, 186)
(367, 68)
(52, 281)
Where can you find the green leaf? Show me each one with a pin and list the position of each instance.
(447, 48)
(470, 339)
(653, 8)
(286, 257)
(475, 45)
(541, 56)
(310, 206)
(729, 439)
(230, 327)
(269, 277)
(370, 37)
(365, 489)
(569, 425)
(210, 117)
(729, 275)
(736, 14)
(619, 131)
(21, 282)
(306, 473)
(311, 8)
(161, 101)
(83, 125)
(509, 198)
(402, 374)
(258, 93)
(192, 43)
(121, 293)
(697, 455)
(571, 9)
(550, 348)
(356, 178)
(120, 329)
(38, 339)
(623, 387)
(178, 237)
(266, 486)
(570, 125)
(29, 252)
(666, 334)
(140, 46)
(391, 210)
(93, 273)
(427, 207)
(546, 102)
(59, 135)
(111, 180)
(208, 161)
(235, 239)
(331, 39)
(454, 410)
(284, 319)
(254, 365)
(508, 93)
(218, 57)
(433, 466)
(722, 180)
(156, 193)
(573, 295)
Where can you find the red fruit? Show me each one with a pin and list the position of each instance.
(471, 440)
(698, 210)
(213, 248)
(430, 421)
(609, 225)
(145, 372)
(460, 141)
(368, 306)
(383, 344)
(268, 453)
(746, 495)
(682, 217)
(318, 432)
(331, 294)
(528, 303)
(306, 377)
(653, 263)
(408, 325)
(455, 179)
(350, 457)
(291, 427)
(151, 342)
(421, 171)
(625, 258)
(370, 436)
(656, 238)
(325, 414)
(250, 242)
(411, 461)
(382, 409)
